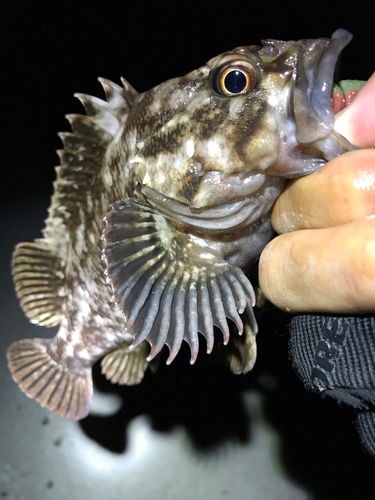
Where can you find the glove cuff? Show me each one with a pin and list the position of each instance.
(366, 430)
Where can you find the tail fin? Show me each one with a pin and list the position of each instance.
(51, 383)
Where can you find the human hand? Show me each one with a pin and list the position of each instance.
(324, 260)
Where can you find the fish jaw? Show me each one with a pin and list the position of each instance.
(231, 215)
(314, 81)
(306, 139)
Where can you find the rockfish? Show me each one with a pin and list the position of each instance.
(161, 203)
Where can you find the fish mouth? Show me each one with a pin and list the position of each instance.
(227, 217)
(316, 62)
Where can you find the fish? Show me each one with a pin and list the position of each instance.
(160, 206)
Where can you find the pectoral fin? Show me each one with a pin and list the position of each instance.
(170, 284)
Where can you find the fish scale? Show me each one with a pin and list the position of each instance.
(161, 203)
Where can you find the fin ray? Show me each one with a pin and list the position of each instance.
(48, 381)
(83, 153)
(206, 320)
(39, 284)
(243, 352)
(185, 290)
(126, 367)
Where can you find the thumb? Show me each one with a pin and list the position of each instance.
(357, 121)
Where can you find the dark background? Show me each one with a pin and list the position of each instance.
(50, 50)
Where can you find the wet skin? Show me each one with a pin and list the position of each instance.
(324, 260)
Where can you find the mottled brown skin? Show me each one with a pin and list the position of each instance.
(191, 154)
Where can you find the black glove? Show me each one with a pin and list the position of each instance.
(335, 356)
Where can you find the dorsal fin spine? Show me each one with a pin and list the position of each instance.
(84, 149)
(129, 91)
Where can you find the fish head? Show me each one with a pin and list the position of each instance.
(246, 121)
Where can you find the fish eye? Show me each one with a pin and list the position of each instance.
(234, 78)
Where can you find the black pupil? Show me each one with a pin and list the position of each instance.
(235, 81)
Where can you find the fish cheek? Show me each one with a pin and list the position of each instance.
(207, 120)
(191, 182)
(253, 134)
(262, 149)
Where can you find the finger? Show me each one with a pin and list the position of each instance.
(357, 121)
(322, 270)
(341, 191)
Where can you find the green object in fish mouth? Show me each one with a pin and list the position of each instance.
(348, 85)
(343, 93)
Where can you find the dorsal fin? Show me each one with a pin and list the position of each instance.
(38, 279)
(83, 153)
(129, 92)
(115, 94)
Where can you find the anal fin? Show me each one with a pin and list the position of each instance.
(51, 383)
(170, 284)
(124, 366)
(38, 280)
(241, 353)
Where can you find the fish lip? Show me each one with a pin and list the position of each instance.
(215, 219)
(180, 207)
(316, 64)
(186, 208)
